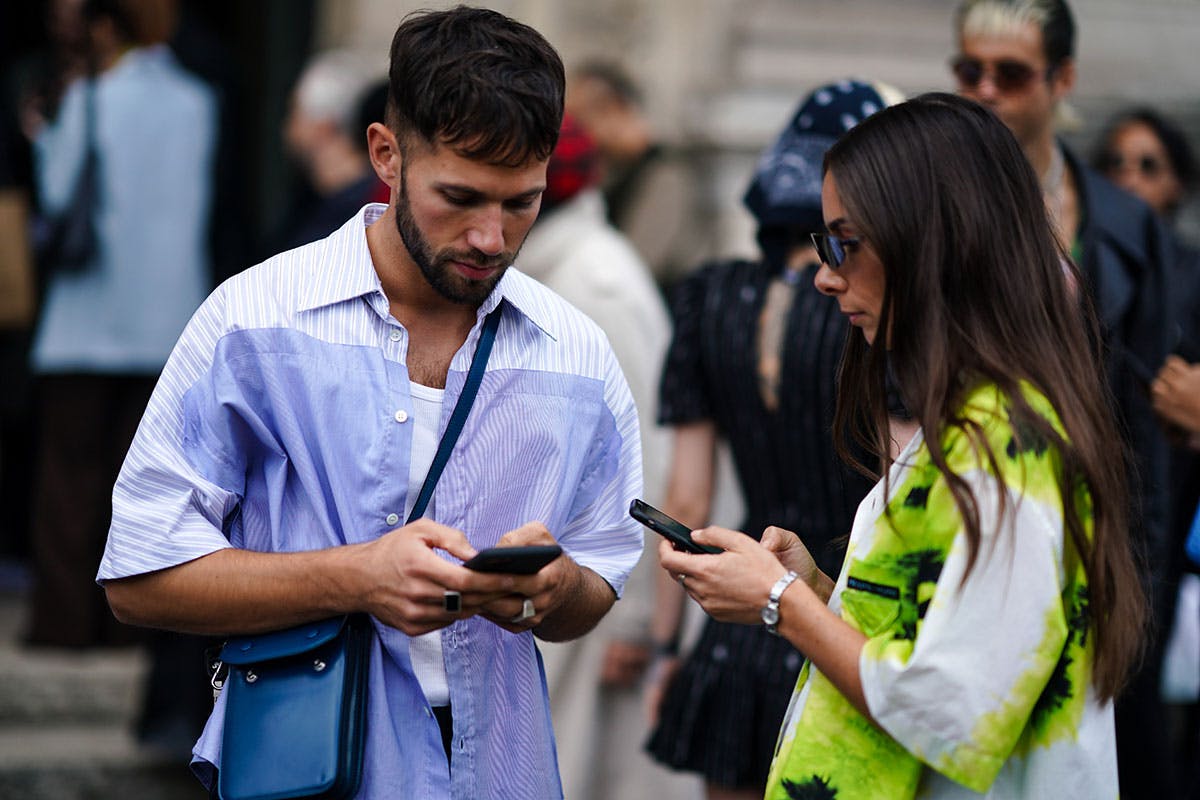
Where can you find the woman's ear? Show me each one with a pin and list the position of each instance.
(384, 151)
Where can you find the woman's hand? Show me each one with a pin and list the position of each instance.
(792, 553)
(732, 586)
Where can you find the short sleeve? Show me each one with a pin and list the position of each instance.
(683, 392)
(167, 510)
(960, 695)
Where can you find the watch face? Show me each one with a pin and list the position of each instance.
(770, 615)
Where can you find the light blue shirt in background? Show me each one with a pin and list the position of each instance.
(155, 129)
(283, 422)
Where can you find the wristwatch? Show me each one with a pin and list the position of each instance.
(770, 612)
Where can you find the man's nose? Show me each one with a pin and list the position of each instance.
(487, 232)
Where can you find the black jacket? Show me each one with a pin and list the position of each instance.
(1127, 261)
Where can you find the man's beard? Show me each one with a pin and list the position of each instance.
(437, 267)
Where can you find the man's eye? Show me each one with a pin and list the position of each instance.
(459, 200)
(521, 205)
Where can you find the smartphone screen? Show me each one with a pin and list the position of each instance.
(673, 530)
(522, 560)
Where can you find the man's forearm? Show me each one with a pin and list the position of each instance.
(235, 591)
(587, 603)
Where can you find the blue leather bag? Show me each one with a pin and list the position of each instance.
(295, 711)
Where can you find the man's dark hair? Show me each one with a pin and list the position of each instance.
(1053, 17)
(477, 81)
(614, 78)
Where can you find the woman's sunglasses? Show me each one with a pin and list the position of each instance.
(1149, 166)
(1007, 75)
(831, 249)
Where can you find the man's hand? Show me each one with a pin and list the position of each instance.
(405, 581)
(547, 589)
(565, 600)
(1175, 394)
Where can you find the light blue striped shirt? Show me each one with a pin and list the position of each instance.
(156, 132)
(275, 427)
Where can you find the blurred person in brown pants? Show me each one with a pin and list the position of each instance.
(106, 328)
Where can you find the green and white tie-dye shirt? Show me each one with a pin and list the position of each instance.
(982, 688)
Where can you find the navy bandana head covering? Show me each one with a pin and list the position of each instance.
(785, 194)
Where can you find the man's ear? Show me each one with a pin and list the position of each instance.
(384, 150)
(1062, 83)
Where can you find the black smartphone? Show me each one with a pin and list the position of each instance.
(673, 530)
(521, 560)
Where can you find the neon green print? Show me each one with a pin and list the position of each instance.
(843, 755)
(830, 750)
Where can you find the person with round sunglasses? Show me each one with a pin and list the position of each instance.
(1127, 265)
(1146, 155)
(988, 609)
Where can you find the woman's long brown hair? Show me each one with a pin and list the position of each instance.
(978, 289)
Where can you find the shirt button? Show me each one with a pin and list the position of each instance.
(401, 416)
(395, 336)
(392, 519)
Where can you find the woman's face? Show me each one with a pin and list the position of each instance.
(858, 282)
(1138, 163)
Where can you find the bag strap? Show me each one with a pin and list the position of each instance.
(461, 409)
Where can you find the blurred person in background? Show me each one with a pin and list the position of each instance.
(753, 361)
(1145, 154)
(104, 332)
(648, 190)
(325, 137)
(1017, 58)
(595, 682)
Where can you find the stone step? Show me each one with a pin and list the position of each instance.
(53, 685)
(66, 721)
(49, 686)
(87, 763)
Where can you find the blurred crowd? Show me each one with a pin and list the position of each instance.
(122, 204)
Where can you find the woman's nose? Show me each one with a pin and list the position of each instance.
(828, 281)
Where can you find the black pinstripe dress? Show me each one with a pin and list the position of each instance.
(721, 715)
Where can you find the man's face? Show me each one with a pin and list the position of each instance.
(463, 221)
(995, 59)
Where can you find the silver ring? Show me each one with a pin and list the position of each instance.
(682, 578)
(527, 611)
(451, 601)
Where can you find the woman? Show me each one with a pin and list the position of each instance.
(988, 609)
(752, 362)
(1147, 156)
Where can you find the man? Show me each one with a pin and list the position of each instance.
(323, 136)
(647, 188)
(595, 682)
(299, 413)
(1017, 57)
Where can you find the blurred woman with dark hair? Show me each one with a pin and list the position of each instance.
(988, 610)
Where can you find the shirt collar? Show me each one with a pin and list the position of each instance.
(344, 271)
